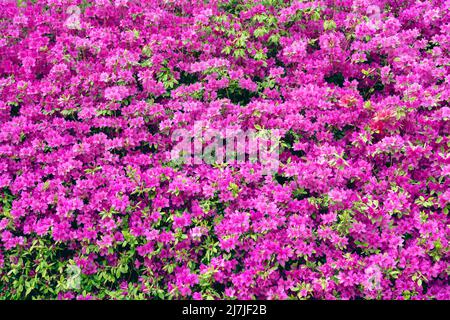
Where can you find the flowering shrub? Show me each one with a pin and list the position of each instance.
(91, 92)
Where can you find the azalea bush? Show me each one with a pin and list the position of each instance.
(92, 205)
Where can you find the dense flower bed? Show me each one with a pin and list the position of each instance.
(91, 92)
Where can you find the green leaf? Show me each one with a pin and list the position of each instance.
(226, 50)
(260, 32)
(362, 244)
(329, 25)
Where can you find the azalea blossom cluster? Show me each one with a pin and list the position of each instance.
(91, 92)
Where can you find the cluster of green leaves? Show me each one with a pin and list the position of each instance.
(36, 271)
